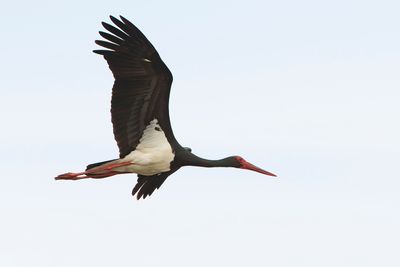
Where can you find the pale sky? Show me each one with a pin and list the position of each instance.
(309, 90)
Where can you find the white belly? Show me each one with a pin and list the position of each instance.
(152, 155)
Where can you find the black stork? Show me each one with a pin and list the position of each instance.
(140, 115)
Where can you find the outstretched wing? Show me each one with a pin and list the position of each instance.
(142, 84)
(146, 185)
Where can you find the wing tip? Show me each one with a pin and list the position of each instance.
(124, 20)
(143, 191)
(102, 52)
(112, 18)
(107, 26)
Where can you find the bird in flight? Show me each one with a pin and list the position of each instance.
(140, 115)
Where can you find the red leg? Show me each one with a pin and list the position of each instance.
(71, 176)
(93, 173)
(116, 165)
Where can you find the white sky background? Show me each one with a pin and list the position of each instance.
(309, 90)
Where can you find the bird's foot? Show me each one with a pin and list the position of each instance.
(71, 176)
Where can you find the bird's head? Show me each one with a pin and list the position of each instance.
(239, 162)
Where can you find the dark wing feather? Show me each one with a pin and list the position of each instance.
(142, 84)
(146, 185)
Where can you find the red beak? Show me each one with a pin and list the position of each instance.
(248, 166)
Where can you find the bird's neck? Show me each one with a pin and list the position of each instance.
(193, 160)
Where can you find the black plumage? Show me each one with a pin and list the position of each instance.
(142, 84)
(140, 94)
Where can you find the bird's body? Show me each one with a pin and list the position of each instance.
(152, 155)
(140, 115)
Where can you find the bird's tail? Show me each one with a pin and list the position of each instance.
(93, 165)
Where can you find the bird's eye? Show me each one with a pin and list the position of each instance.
(240, 159)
